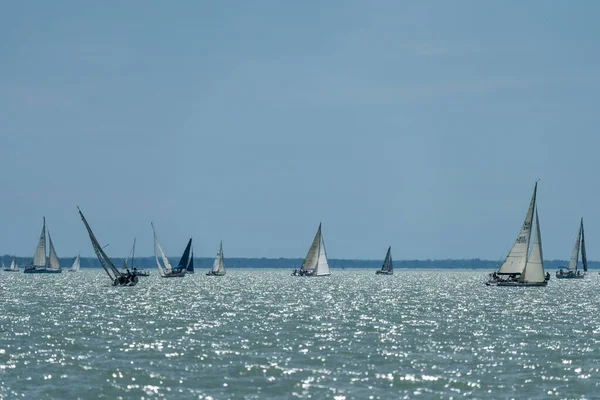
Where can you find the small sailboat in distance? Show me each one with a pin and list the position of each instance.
(13, 265)
(572, 272)
(315, 262)
(76, 264)
(387, 267)
(133, 268)
(117, 278)
(218, 268)
(165, 270)
(39, 264)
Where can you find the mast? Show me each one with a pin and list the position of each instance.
(583, 253)
(515, 261)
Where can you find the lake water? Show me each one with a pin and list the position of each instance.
(263, 334)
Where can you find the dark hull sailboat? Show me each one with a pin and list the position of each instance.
(387, 268)
(117, 278)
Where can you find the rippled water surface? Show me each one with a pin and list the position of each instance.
(260, 334)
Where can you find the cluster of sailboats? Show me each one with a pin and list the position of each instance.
(523, 266)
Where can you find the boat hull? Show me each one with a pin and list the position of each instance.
(516, 284)
(41, 271)
(11, 270)
(210, 273)
(384, 273)
(126, 281)
(564, 276)
(174, 275)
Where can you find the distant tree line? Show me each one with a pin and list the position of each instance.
(291, 263)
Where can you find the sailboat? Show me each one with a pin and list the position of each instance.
(13, 266)
(117, 278)
(218, 268)
(519, 268)
(41, 265)
(387, 268)
(76, 264)
(190, 267)
(572, 272)
(315, 263)
(165, 270)
(134, 270)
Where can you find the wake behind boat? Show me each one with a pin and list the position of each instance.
(39, 264)
(218, 268)
(520, 268)
(315, 263)
(165, 270)
(117, 278)
(387, 267)
(572, 272)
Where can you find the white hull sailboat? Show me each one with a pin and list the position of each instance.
(76, 264)
(13, 266)
(116, 277)
(572, 272)
(387, 268)
(41, 265)
(315, 263)
(218, 268)
(165, 270)
(520, 268)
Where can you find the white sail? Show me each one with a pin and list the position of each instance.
(322, 268)
(3, 266)
(76, 264)
(517, 257)
(534, 269)
(39, 257)
(158, 248)
(13, 265)
(575, 253)
(312, 257)
(53, 262)
(219, 263)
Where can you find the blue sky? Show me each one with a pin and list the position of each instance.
(421, 125)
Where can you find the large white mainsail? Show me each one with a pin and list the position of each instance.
(165, 260)
(534, 269)
(312, 257)
(517, 257)
(575, 253)
(39, 257)
(219, 263)
(13, 265)
(53, 262)
(322, 268)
